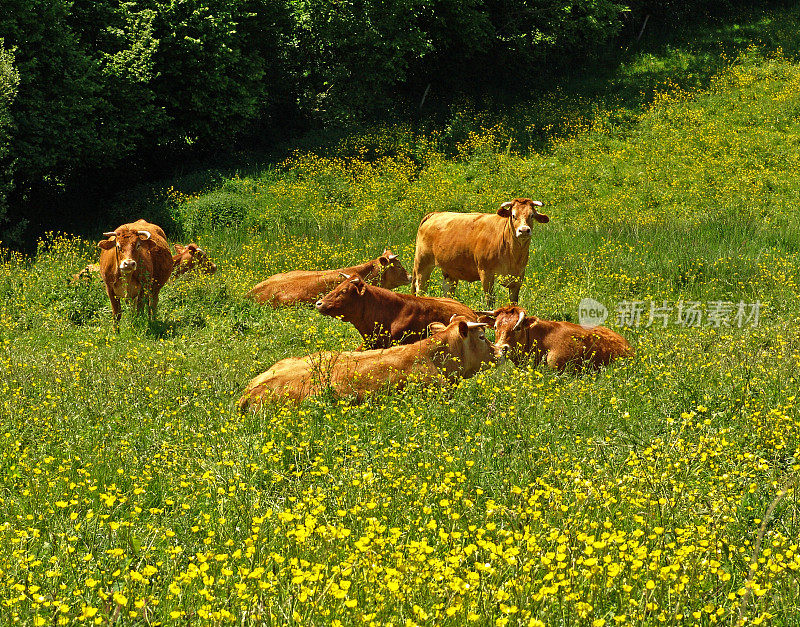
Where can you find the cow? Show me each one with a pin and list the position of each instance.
(87, 275)
(563, 344)
(191, 258)
(456, 350)
(477, 247)
(135, 262)
(306, 286)
(383, 317)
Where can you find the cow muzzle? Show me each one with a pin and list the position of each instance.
(319, 305)
(499, 353)
(524, 232)
(127, 265)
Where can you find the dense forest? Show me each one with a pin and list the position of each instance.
(99, 94)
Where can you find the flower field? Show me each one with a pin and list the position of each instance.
(661, 490)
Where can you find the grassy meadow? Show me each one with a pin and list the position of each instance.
(662, 490)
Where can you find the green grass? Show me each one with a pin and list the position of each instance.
(134, 493)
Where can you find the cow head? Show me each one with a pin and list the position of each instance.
(343, 298)
(522, 212)
(392, 272)
(510, 324)
(465, 348)
(128, 243)
(191, 257)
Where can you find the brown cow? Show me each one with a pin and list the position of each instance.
(477, 247)
(456, 350)
(383, 317)
(306, 286)
(191, 258)
(87, 275)
(563, 343)
(135, 261)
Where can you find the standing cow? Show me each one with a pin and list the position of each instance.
(306, 286)
(477, 247)
(562, 344)
(135, 262)
(383, 317)
(457, 350)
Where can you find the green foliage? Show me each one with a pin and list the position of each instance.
(9, 82)
(218, 67)
(215, 210)
(101, 82)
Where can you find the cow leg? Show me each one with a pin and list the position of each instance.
(116, 306)
(513, 292)
(151, 314)
(138, 303)
(448, 283)
(423, 266)
(487, 282)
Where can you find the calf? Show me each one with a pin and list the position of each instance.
(135, 262)
(477, 247)
(383, 317)
(306, 286)
(459, 349)
(564, 344)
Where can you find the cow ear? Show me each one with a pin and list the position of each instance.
(463, 328)
(106, 244)
(540, 217)
(179, 249)
(490, 320)
(361, 287)
(384, 261)
(435, 327)
(505, 209)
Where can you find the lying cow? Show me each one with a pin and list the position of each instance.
(564, 344)
(477, 247)
(189, 258)
(306, 286)
(135, 262)
(87, 275)
(383, 317)
(456, 350)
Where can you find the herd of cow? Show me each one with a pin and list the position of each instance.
(405, 337)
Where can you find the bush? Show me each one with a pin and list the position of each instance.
(218, 209)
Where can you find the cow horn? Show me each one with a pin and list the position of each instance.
(508, 203)
(144, 233)
(519, 322)
(357, 279)
(486, 313)
(474, 325)
(451, 318)
(390, 256)
(346, 276)
(110, 234)
(537, 203)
